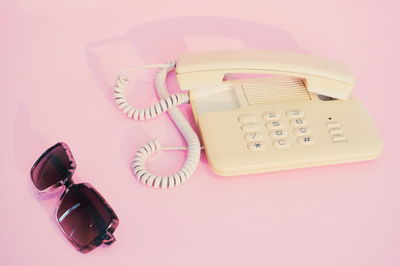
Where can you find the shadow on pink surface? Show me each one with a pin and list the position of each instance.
(29, 145)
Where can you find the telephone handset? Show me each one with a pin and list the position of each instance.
(322, 76)
(300, 116)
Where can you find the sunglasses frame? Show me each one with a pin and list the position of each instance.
(62, 183)
(106, 237)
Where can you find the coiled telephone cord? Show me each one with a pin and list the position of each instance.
(168, 102)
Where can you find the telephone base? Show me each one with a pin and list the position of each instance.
(262, 138)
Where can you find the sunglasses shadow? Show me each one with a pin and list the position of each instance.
(28, 146)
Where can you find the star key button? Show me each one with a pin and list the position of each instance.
(256, 146)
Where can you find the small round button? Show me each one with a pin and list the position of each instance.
(274, 125)
(250, 127)
(279, 134)
(271, 116)
(253, 136)
(295, 114)
(282, 143)
(298, 122)
(302, 131)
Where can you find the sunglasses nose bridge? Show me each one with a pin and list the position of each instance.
(69, 182)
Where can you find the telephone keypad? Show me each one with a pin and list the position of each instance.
(278, 132)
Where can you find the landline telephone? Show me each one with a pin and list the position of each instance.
(299, 115)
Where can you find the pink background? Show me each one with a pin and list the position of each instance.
(57, 64)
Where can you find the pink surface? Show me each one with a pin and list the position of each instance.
(58, 62)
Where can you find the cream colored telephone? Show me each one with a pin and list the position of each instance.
(299, 115)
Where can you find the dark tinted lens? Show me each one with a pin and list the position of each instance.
(84, 215)
(53, 166)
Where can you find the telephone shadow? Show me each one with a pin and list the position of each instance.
(162, 40)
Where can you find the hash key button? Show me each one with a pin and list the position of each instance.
(306, 140)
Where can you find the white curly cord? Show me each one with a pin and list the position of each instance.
(165, 104)
(193, 156)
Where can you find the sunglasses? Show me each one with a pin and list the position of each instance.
(83, 215)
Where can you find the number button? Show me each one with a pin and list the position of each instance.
(302, 131)
(271, 116)
(250, 127)
(282, 143)
(256, 146)
(295, 114)
(279, 134)
(298, 122)
(247, 118)
(253, 136)
(274, 125)
(306, 140)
